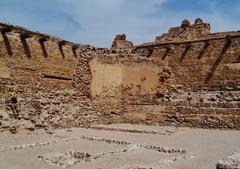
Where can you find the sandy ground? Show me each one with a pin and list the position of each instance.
(118, 146)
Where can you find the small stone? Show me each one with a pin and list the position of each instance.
(69, 130)
(13, 130)
(49, 130)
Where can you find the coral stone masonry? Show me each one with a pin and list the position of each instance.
(187, 77)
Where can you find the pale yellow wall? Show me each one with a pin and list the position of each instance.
(141, 78)
(104, 76)
(4, 70)
(145, 76)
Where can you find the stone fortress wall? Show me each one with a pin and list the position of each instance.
(37, 82)
(192, 80)
(187, 77)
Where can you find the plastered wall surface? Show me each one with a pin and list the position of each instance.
(4, 70)
(142, 78)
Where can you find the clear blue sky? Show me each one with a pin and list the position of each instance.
(97, 21)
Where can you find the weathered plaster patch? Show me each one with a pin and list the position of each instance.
(140, 78)
(4, 70)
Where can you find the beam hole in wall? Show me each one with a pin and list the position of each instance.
(150, 51)
(203, 50)
(187, 48)
(74, 48)
(227, 44)
(6, 41)
(14, 100)
(23, 37)
(167, 50)
(60, 47)
(42, 41)
(56, 77)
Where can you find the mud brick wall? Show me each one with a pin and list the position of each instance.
(188, 83)
(37, 75)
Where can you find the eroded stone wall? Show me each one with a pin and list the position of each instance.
(37, 76)
(46, 82)
(189, 83)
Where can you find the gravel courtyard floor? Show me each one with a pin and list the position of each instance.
(117, 146)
